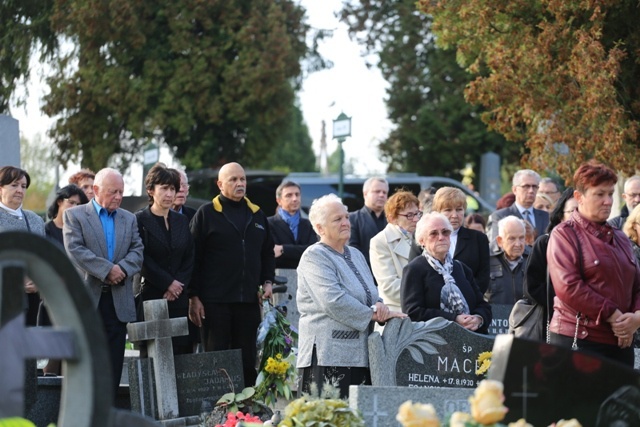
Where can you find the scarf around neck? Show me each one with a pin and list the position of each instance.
(292, 221)
(451, 298)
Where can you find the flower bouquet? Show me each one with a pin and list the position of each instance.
(321, 409)
(278, 339)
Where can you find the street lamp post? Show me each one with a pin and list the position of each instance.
(151, 155)
(341, 130)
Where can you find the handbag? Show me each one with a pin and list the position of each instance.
(526, 319)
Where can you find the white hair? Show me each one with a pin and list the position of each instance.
(103, 173)
(367, 184)
(628, 182)
(517, 177)
(502, 224)
(319, 208)
(421, 228)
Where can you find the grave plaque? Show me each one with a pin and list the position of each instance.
(288, 299)
(545, 383)
(500, 319)
(201, 376)
(436, 353)
(379, 405)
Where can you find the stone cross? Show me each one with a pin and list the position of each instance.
(157, 330)
(25, 343)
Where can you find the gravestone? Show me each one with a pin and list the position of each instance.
(83, 401)
(379, 405)
(436, 353)
(288, 299)
(199, 377)
(9, 141)
(545, 383)
(500, 319)
(157, 330)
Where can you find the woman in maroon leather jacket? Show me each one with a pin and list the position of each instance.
(594, 273)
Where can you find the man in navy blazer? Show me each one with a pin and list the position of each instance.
(525, 186)
(370, 220)
(291, 233)
(103, 242)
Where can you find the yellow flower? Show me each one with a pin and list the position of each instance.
(459, 419)
(568, 423)
(279, 356)
(486, 402)
(520, 423)
(417, 415)
(484, 360)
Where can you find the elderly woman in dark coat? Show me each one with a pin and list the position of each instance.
(338, 302)
(436, 285)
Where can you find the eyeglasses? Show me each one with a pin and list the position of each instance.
(72, 202)
(434, 234)
(548, 192)
(633, 195)
(570, 210)
(184, 186)
(527, 187)
(412, 215)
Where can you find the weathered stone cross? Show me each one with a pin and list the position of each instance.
(157, 330)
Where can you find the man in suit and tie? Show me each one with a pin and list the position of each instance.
(525, 186)
(103, 242)
(370, 220)
(291, 233)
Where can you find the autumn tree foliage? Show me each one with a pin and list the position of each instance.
(214, 80)
(560, 75)
(436, 132)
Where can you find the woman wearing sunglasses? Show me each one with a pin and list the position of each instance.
(436, 285)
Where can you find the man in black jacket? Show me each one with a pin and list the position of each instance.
(233, 258)
(631, 198)
(291, 233)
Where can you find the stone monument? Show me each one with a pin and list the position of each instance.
(9, 141)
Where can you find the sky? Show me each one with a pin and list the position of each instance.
(349, 87)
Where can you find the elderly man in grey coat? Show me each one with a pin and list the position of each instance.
(103, 242)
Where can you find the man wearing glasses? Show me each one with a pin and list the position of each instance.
(549, 188)
(181, 198)
(525, 186)
(631, 198)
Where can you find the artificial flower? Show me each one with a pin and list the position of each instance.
(520, 423)
(417, 415)
(568, 423)
(484, 362)
(486, 402)
(460, 419)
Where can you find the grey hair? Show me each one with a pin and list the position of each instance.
(548, 180)
(367, 184)
(517, 177)
(103, 173)
(628, 182)
(421, 227)
(319, 208)
(502, 224)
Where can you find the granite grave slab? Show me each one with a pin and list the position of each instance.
(379, 405)
(545, 383)
(436, 353)
(500, 319)
(201, 376)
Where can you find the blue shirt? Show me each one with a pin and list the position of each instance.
(108, 227)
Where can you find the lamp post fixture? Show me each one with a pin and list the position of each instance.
(341, 130)
(151, 155)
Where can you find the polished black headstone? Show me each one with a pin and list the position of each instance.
(545, 383)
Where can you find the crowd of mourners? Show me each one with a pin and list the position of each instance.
(401, 255)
